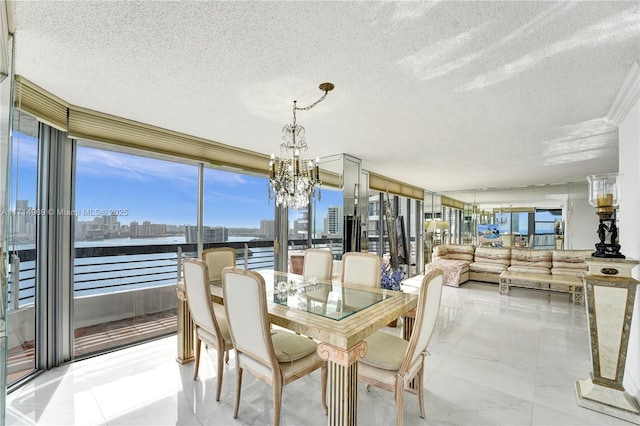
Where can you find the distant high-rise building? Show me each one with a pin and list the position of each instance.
(267, 228)
(334, 222)
(111, 223)
(147, 229)
(211, 234)
(24, 222)
(173, 229)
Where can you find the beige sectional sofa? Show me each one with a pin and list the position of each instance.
(467, 262)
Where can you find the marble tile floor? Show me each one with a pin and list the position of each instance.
(494, 360)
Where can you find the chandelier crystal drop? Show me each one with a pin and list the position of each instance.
(293, 177)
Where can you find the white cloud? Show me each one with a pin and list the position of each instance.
(108, 163)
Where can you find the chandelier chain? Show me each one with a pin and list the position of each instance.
(307, 108)
(294, 179)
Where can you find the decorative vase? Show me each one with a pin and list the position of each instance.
(390, 278)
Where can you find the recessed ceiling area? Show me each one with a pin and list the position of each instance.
(454, 97)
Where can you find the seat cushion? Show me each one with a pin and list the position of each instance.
(500, 256)
(385, 351)
(210, 337)
(290, 346)
(495, 268)
(571, 259)
(533, 258)
(569, 272)
(454, 252)
(529, 269)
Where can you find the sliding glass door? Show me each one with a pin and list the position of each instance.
(5, 132)
(22, 213)
(132, 214)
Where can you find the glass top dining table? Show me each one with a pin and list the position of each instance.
(339, 316)
(319, 297)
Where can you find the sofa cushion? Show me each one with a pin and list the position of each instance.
(569, 272)
(572, 259)
(529, 269)
(454, 252)
(496, 268)
(531, 258)
(500, 256)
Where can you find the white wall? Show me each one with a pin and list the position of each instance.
(629, 164)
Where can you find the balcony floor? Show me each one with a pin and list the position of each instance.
(494, 360)
(98, 338)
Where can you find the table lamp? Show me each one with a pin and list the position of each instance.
(604, 194)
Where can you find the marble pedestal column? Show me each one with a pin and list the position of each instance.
(610, 294)
(186, 327)
(342, 372)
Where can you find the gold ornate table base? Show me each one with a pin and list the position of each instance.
(342, 372)
(185, 328)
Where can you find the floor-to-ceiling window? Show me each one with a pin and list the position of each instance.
(133, 212)
(22, 214)
(514, 225)
(328, 220)
(6, 113)
(237, 214)
(546, 226)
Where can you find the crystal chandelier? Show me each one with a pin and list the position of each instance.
(293, 178)
(501, 218)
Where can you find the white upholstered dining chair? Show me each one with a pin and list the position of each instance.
(392, 362)
(276, 357)
(318, 263)
(361, 269)
(209, 328)
(217, 259)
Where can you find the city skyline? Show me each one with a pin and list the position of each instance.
(159, 191)
(24, 217)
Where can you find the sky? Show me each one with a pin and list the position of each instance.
(140, 188)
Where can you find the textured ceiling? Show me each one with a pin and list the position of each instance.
(443, 95)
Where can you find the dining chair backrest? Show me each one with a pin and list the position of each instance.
(361, 269)
(217, 259)
(429, 299)
(196, 283)
(245, 302)
(318, 263)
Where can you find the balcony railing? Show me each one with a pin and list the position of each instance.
(104, 269)
(123, 294)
